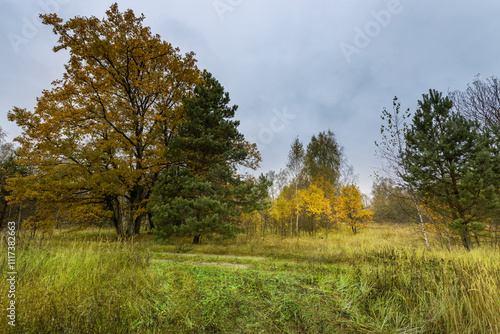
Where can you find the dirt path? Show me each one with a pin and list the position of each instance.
(218, 256)
(208, 264)
(212, 264)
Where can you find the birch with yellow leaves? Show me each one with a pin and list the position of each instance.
(350, 209)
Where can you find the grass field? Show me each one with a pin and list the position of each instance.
(379, 281)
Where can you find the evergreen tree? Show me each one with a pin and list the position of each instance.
(452, 165)
(481, 102)
(200, 192)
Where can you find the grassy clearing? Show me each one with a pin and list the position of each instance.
(378, 281)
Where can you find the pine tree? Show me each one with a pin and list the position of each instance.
(200, 193)
(452, 165)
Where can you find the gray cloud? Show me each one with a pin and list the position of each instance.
(287, 55)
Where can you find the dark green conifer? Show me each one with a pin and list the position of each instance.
(201, 193)
(452, 165)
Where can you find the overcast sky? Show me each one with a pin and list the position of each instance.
(294, 68)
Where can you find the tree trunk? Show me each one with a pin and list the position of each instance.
(466, 239)
(448, 237)
(3, 211)
(137, 224)
(19, 214)
(422, 224)
(117, 218)
(150, 220)
(297, 223)
(476, 237)
(135, 201)
(496, 234)
(465, 233)
(130, 221)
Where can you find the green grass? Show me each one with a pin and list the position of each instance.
(379, 281)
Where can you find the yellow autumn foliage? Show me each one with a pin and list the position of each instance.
(350, 209)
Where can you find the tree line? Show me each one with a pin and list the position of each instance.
(135, 135)
(314, 193)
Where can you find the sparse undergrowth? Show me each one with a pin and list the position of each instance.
(374, 282)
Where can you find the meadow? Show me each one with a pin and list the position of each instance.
(381, 280)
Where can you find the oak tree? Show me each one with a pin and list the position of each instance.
(96, 140)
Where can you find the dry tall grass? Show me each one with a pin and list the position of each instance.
(381, 280)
